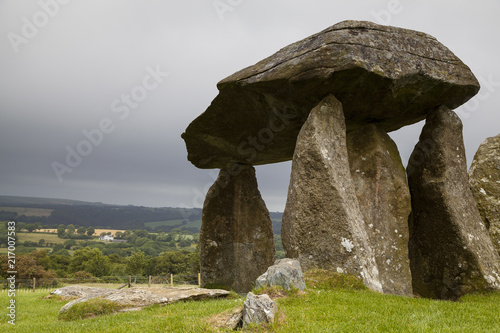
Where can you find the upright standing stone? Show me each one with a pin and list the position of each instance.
(484, 178)
(322, 224)
(451, 252)
(384, 200)
(236, 239)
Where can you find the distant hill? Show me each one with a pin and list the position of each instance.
(53, 212)
(12, 200)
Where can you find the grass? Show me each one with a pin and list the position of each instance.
(36, 236)
(90, 309)
(190, 224)
(155, 224)
(321, 308)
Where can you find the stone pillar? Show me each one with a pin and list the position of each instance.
(236, 239)
(322, 224)
(384, 199)
(451, 252)
(484, 179)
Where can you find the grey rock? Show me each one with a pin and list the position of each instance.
(484, 178)
(258, 309)
(285, 273)
(322, 224)
(138, 297)
(451, 252)
(80, 291)
(384, 200)
(236, 238)
(230, 319)
(381, 74)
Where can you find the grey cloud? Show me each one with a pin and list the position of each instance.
(66, 78)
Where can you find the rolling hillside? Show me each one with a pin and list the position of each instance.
(50, 213)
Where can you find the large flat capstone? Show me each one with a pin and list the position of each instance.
(384, 75)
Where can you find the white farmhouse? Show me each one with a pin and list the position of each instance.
(107, 238)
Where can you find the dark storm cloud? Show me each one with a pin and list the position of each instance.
(75, 72)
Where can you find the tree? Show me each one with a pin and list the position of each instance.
(90, 260)
(71, 229)
(31, 227)
(69, 243)
(81, 231)
(136, 263)
(90, 230)
(41, 242)
(20, 226)
(61, 230)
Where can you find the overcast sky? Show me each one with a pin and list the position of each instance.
(66, 68)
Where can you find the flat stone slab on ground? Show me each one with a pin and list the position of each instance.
(137, 297)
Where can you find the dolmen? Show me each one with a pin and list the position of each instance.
(327, 103)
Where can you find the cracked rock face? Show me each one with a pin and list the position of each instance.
(385, 75)
(484, 178)
(285, 273)
(451, 252)
(258, 309)
(322, 224)
(384, 200)
(236, 238)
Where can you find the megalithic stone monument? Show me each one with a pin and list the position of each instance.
(369, 80)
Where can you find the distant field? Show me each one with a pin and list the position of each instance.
(96, 233)
(42, 212)
(191, 224)
(36, 236)
(161, 223)
(4, 250)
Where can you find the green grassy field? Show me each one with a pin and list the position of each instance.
(190, 224)
(28, 211)
(161, 223)
(319, 309)
(36, 236)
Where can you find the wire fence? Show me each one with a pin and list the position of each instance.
(50, 284)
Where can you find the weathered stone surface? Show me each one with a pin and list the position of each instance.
(285, 273)
(484, 178)
(137, 297)
(258, 309)
(80, 291)
(322, 224)
(381, 74)
(236, 239)
(384, 200)
(230, 319)
(451, 253)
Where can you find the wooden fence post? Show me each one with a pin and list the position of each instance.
(34, 284)
(129, 281)
(149, 281)
(171, 280)
(199, 280)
